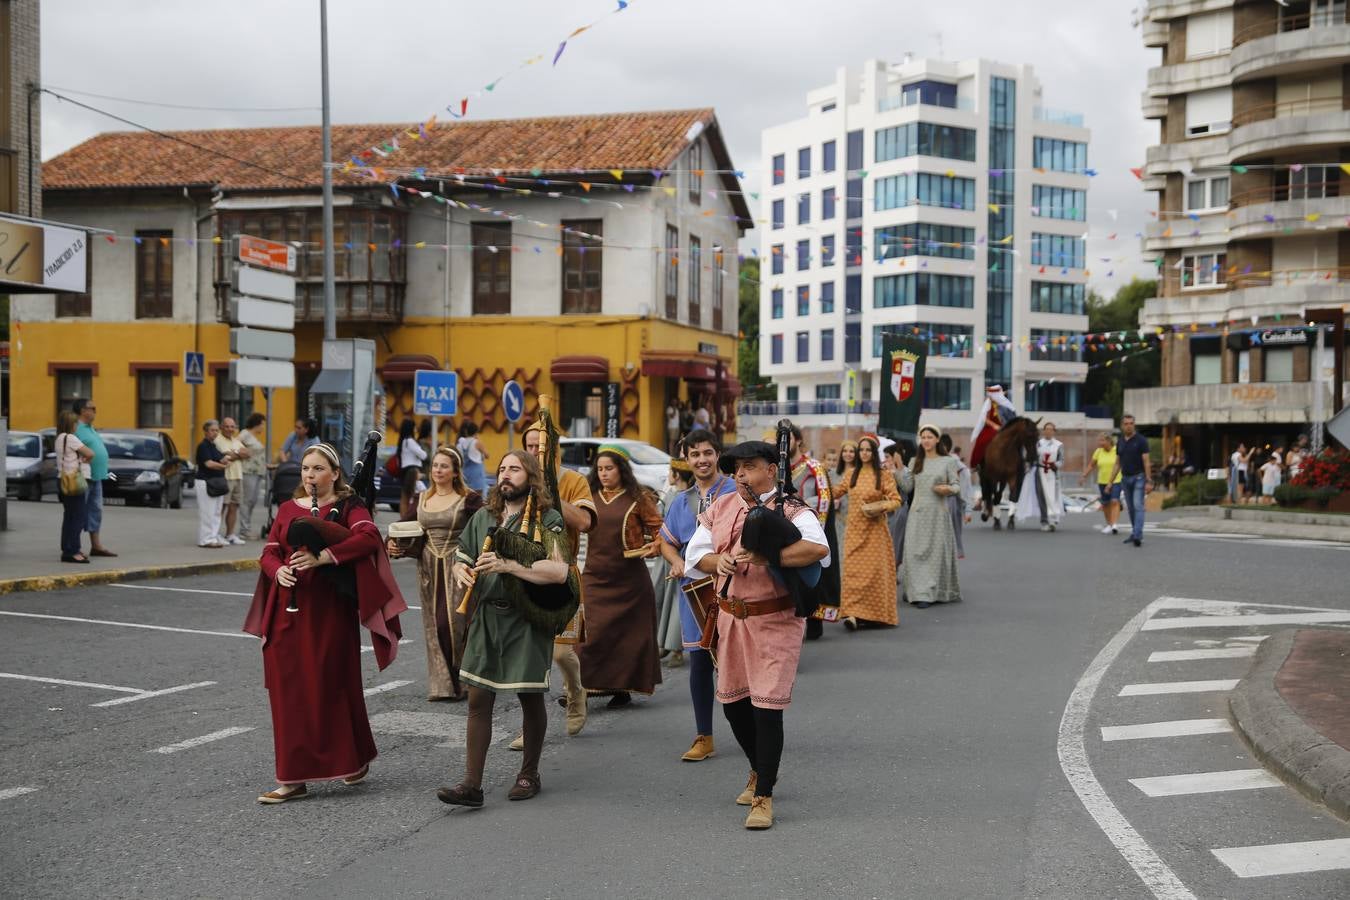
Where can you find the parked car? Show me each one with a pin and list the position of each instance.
(30, 465)
(651, 466)
(145, 468)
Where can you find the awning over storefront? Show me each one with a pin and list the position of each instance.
(732, 386)
(691, 367)
(400, 367)
(590, 369)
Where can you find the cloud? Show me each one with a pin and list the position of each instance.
(753, 60)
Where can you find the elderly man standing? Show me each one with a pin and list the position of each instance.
(228, 443)
(98, 473)
(759, 634)
(254, 467)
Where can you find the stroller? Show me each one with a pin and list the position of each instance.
(285, 479)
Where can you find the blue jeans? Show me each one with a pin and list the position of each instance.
(93, 511)
(72, 522)
(1133, 488)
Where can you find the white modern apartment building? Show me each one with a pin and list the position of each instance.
(928, 197)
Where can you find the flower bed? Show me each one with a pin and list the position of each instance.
(1323, 482)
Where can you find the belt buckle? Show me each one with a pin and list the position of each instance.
(738, 608)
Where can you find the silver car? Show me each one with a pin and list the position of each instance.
(651, 466)
(30, 465)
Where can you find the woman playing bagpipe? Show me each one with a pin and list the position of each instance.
(520, 591)
(762, 600)
(433, 528)
(619, 656)
(324, 575)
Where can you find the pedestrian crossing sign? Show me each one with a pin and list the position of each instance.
(194, 367)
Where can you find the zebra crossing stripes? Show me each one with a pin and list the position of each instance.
(1174, 728)
(1206, 782)
(1265, 860)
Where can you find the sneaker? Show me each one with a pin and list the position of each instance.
(1115, 530)
(1046, 528)
(1107, 529)
(235, 539)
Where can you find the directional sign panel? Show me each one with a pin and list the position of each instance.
(269, 254)
(266, 344)
(262, 283)
(513, 401)
(194, 367)
(262, 313)
(273, 373)
(435, 393)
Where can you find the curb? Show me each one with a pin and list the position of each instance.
(1286, 530)
(60, 582)
(1312, 764)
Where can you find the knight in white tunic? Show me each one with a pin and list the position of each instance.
(1041, 497)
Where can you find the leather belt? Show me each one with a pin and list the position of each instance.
(740, 609)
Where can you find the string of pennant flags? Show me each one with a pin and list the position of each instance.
(369, 159)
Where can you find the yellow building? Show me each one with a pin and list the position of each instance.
(579, 255)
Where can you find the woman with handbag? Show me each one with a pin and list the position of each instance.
(441, 514)
(73, 466)
(211, 486)
(868, 594)
(619, 656)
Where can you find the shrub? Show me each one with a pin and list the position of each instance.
(1329, 469)
(1197, 490)
(1297, 494)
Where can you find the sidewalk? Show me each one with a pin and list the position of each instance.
(149, 543)
(1293, 710)
(1263, 523)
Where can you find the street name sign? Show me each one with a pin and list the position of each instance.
(267, 254)
(273, 373)
(263, 283)
(261, 343)
(262, 313)
(435, 393)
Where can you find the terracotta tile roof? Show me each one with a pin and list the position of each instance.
(290, 158)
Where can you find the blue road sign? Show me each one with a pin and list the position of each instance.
(194, 367)
(435, 393)
(513, 401)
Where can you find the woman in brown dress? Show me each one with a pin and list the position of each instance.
(868, 595)
(442, 511)
(619, 656)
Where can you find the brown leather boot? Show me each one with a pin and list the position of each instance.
(748, 795)
(701, 750)
(761, 814)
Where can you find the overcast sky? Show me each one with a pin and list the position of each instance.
(752, 60)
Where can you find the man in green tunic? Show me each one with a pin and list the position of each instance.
(506, 651)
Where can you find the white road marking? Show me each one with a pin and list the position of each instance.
(146, 695)
(387, 686)
(1174, 728)
(1252, 621)
(1189, 655)
(1073, 760)
(1230, 607)
(231, 634)
(1286, 859)
(1177, 687)
(147, 587)
(421, 724)
(87, 684)
(204, 739)
(1206, 782)
(10, 793)
(368, 649)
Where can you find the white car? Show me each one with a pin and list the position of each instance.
(651, 466)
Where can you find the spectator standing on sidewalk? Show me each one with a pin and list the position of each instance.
(298, 441)
(1270, 479)
(1108, 480)
(72, 457)
(411, 457)
(254, 467)
(1136, 471)
(1237, 473)
(211, 464)
(228, 442)
(98, 473)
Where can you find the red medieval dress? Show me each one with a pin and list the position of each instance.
(312, 658)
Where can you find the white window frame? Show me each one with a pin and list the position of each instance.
(1216, 280)
(1209, 206)
(1212, 126)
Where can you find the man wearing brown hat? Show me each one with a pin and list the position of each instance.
(759, 633)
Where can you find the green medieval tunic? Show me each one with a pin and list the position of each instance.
(504, 652)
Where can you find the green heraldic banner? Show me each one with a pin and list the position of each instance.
(901, 386)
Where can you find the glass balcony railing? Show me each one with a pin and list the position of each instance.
(1057, 116)
(889, 102)
(774, 409)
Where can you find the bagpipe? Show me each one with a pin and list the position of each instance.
(525, 540)
(316, 533)
(768, 530)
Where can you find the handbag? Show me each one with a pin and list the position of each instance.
(217, 486)
(392, 465)
(73, 483)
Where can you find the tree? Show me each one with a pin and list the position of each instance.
(1105, 385)
(747, 365)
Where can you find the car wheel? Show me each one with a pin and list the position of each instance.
(135, 500)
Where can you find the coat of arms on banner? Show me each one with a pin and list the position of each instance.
(902, 374)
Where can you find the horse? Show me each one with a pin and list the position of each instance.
(1005, 462)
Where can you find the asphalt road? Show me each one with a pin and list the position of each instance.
(934, 760)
